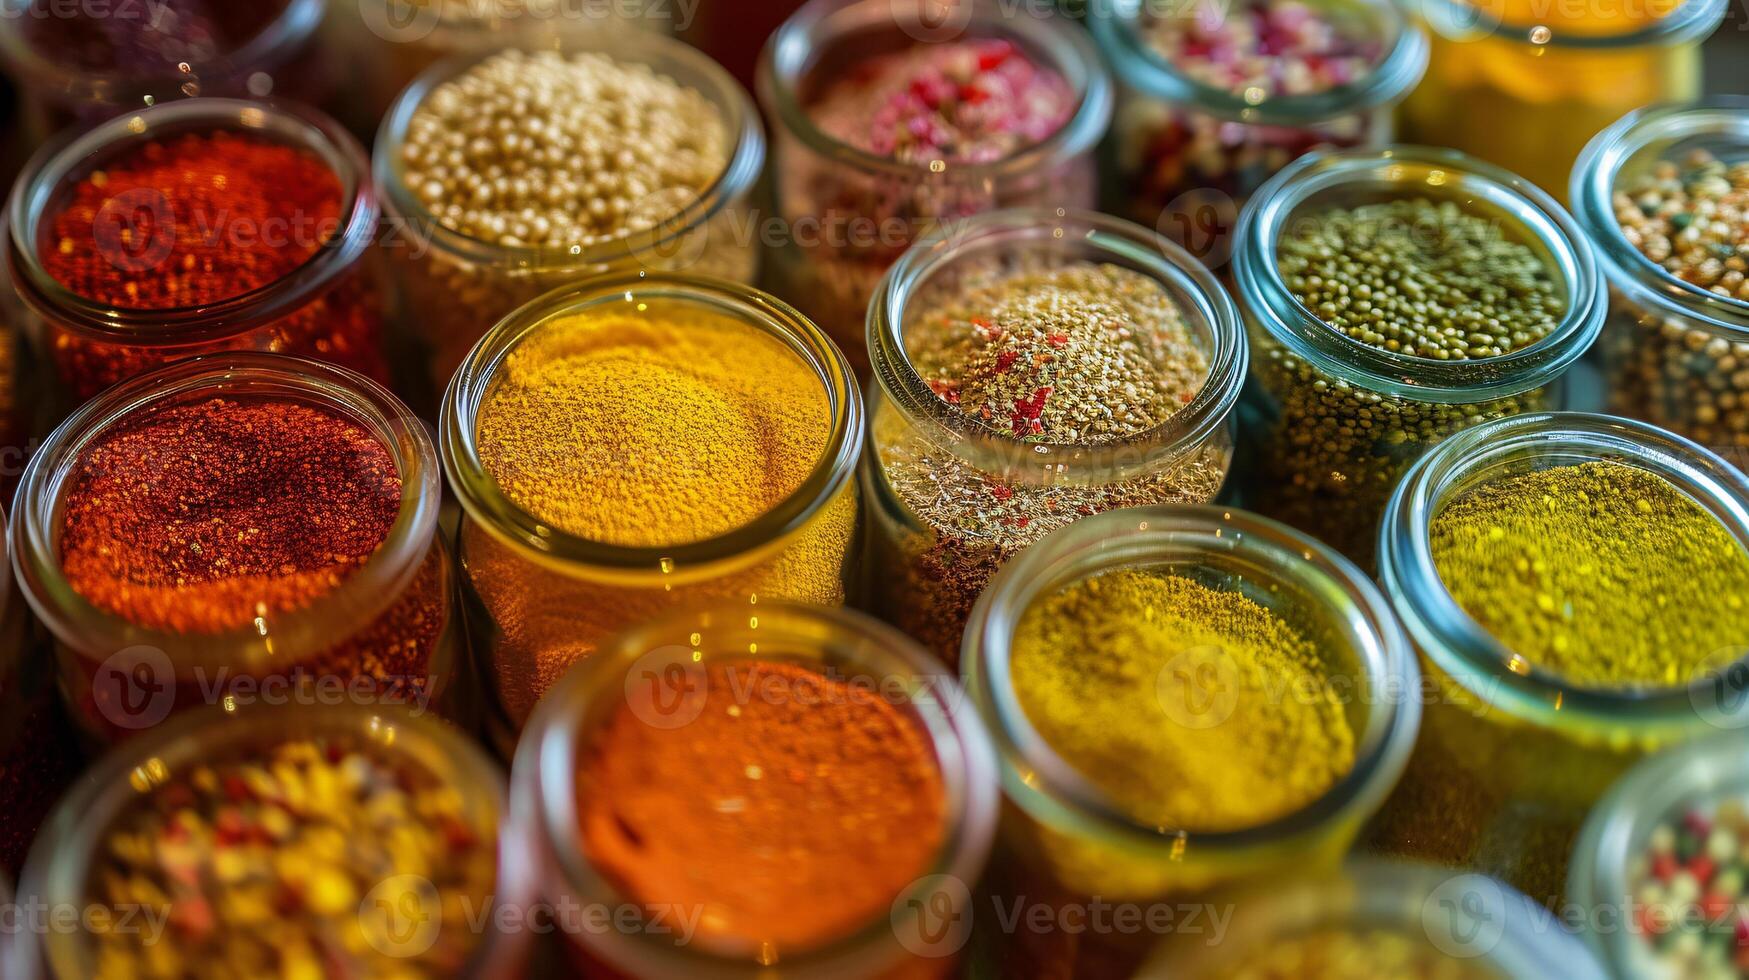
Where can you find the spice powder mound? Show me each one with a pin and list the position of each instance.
(791, 812)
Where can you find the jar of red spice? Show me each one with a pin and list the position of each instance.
(511, 171)
(299, 841)
(775, 787)
(81, 63)
(201, 226)
(1214, 98)
(242, 529)
(892, 119)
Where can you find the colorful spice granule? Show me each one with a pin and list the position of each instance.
(1355, 954)
(792, 811)
(961, 102)
(1264, 48)
(1690, 897)
(268, 862)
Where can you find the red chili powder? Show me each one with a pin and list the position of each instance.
(194, 517)
(791, 811)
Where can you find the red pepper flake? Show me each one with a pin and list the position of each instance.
(1702, 868)
(1058, 340)
(994, 55)
(947, 391)
(1001, 493)
(1027, 412)
(989, 329)
(972, 94)
(1005, 360)
(1022, 522)
(1185, 397)
(1663, 866)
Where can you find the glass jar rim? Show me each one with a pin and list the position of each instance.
(581, 557)
(1116, 23)
(351, 605)
(1461, 20)
(272, 45)
(1265, 296)
(1471, 656)
(787, 59)
(662, 54)
(294, 125)
(1592, 191)
(1598, 875)
(544, 782)
(55, 870)
(1162, 260)
(1057, 794)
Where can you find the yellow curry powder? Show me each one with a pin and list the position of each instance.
(667, 426)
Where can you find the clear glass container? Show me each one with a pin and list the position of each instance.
(847, 214)
(1466, 925)
(278, 50)
(1335, 421)
(1063, 838)
(926, 927)
(331, 307)
(925, 576)
(67, 855)
(120, 678)
(1188, 155)
(541, 598)
(1508, 85)
(1676, 355)
(457, 286)
(1511, 756)
(1656, 791)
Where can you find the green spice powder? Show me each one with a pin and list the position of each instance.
(1190, 707)
(1601, 572)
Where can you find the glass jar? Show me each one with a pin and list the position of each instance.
(401, 919)
(1509, 86)
(457, 286)
(1336, 420)
(926, 573)
(926, 926)
(275, 47)
(1676, 355)
(847, 214)
(1461, 925)
(1063, 841)
(1657, 791)
(541, 598)
(1188, 154)
(1511, 756)
(331, 307)
(354, 642)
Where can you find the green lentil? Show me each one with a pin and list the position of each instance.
(1602, 573)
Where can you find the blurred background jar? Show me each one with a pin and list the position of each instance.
(1524, 85)
(172, 232)
(1514, 753)
(1664, 196)
(1214, 98)
(167, 627)
(1333, 419)
(1074, 829)
(639, 153)
(891, 120)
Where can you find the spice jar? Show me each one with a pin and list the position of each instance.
(1006, 405)
(638, 441)
(1375, 918)
(894, 120)
(300, 839)
(259, 225)
(1352, 388)
(1182, 697)
(242, 529)
(1213, 100)
(490, 217)
(1524, 84)
(78, 64)
(1658, 868)
(767, 787)
(1676, 344)
(1515, 748)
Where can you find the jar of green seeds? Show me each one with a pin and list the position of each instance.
(1394, 297)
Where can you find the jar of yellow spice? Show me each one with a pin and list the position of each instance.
(1182, 697)
(636, 442)
(510, 172)
(1578, 588)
